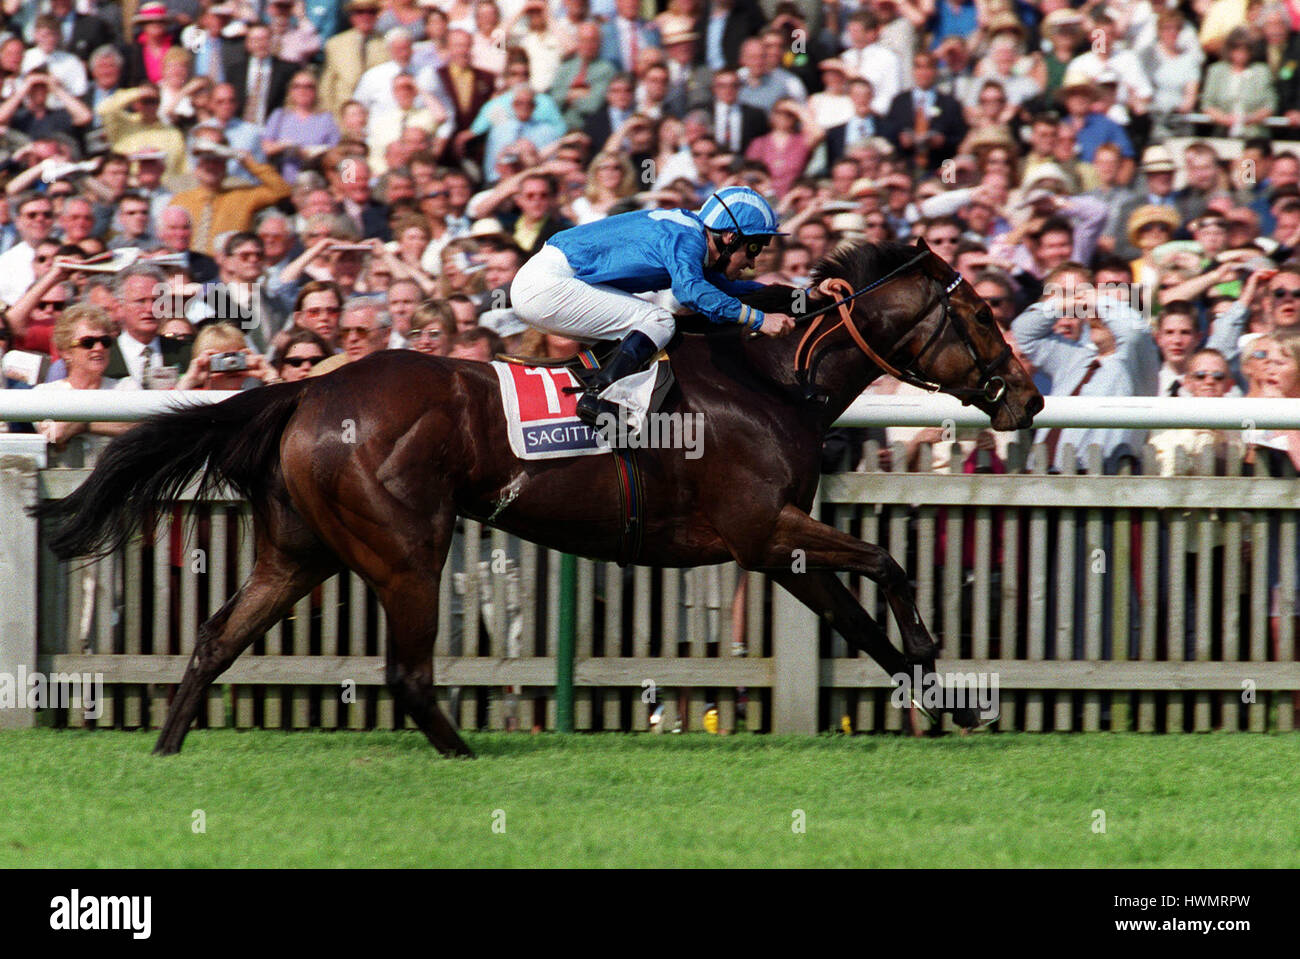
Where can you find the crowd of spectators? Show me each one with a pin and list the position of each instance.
(249, 191)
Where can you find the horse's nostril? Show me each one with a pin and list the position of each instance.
(1035, 405)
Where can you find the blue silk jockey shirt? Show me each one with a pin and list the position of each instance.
(651, 250)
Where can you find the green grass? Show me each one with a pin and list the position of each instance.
(75, 798)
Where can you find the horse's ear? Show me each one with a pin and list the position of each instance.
(921, 244)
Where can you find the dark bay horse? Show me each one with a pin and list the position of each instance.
(367, 468)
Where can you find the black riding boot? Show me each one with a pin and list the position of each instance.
(632, 354)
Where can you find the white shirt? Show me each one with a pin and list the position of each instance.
(139, 355)
(65, 66)
(881, 66)
(16, 273)
(375, 88)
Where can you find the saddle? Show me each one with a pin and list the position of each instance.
(582, 365)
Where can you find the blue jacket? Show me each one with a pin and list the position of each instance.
(649, 250)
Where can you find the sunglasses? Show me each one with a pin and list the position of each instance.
(179, 337)
(1283, 294)
(1209, 375)
(346, 331)
(90, 342)
(996, 301)
(52, 304)
(1258, 354)
(297, 361)
(427, 335)
(755, 248)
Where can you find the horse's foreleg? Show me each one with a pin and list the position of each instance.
(825, 595)
(803, 554)
(799, 541)
(276, 583)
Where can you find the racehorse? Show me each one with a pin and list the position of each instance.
(369, 466)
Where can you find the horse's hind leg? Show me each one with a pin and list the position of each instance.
(275, 584)
(411, 602)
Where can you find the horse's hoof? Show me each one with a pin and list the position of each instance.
(916, 704)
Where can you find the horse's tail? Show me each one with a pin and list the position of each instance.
(236, 440)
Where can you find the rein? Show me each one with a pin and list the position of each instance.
(990, 388)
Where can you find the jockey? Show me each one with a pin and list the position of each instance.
(580, 284)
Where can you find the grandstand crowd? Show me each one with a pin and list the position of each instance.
(206, 195)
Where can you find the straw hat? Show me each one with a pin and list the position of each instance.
(1158, 159)
(1149, 214)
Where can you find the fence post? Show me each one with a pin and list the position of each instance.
(565, 644)
(18, 582)
(796, 662)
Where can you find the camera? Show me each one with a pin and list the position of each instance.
(228, 363)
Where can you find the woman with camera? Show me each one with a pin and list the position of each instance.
(223, 361)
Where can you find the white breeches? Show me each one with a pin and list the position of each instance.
(546, 295)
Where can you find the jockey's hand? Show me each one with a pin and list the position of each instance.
(777, 324)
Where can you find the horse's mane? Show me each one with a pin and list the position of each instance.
(862, 263)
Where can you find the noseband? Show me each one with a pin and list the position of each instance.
(991, 387)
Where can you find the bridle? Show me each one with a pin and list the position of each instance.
(991, 387)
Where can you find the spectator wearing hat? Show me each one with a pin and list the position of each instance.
(1085, 108)
(1156, 188)
(832, 105)
(215, 207)
(924, 123)
(155, 34)
(132, 124)
(354, 51)
(689, 82)
(212, 49)
(1148, 227)
(1238, 93)
(1063, 31)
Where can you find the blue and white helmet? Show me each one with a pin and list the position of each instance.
(741, 210)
